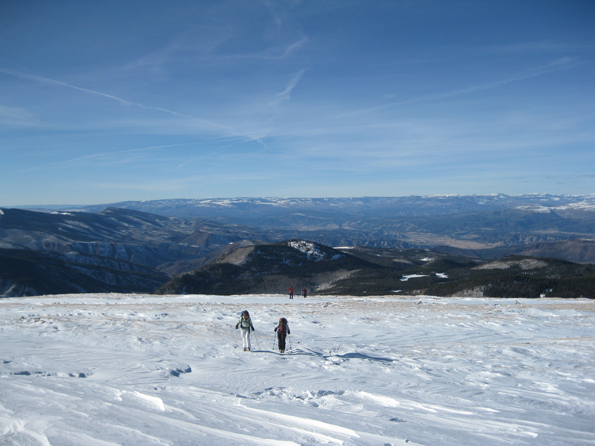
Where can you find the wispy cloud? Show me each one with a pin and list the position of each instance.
(285, 94)
(155, 61)
(63, 84)
(122, 101)
(203, 181)
(114, 157)
(535, 46)
(293, 47)
(555, 65)
(16, 116)
(273, 52)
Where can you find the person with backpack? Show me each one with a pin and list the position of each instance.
(246, 324)
(282, 330)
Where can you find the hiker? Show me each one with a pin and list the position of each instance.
(246, 323)
(282, 330)
(304, 292)
(291, 292)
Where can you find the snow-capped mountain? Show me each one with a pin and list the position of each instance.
(366, 206)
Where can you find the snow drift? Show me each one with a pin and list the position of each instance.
(110, 369)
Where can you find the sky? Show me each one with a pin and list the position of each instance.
(110, 101)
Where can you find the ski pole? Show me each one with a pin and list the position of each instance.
(256, 339)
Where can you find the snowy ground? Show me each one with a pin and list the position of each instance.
(107, 369)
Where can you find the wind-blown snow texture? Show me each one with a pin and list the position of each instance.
(142, 370)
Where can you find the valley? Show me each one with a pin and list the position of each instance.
(111, 245)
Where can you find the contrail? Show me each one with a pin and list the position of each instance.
(109, 96)
(284, 95)
(52, 81)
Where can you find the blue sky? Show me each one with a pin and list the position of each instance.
(137, 100)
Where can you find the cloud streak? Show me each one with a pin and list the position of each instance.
(19, 117)
(556, 65)
(99, 156)
(285, 94)
(64, 84)
(112, 97)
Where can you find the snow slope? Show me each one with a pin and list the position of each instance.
(112, 369)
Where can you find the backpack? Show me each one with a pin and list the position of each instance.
(282, 325)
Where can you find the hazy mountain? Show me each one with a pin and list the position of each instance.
(574, 250)
(474, 222)
(146, 239)
(29, 273)
(329, 213)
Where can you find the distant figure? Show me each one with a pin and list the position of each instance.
(282, 330)
(246, 323)
(304, 292)
(291, 292)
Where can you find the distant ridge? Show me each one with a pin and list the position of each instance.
(403, 205)
(414, 205)
(272, 269)
(269, 269)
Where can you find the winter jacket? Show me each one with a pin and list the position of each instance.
(279, 331)
(245, 324)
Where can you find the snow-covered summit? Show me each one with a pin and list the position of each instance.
(314, 251)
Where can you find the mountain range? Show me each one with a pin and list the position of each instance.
(473, 222)
(166, 238)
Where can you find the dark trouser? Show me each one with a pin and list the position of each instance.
(281, 339)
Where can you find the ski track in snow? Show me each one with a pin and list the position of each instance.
(110, 369)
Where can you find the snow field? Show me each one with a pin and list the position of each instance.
(111, 369)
